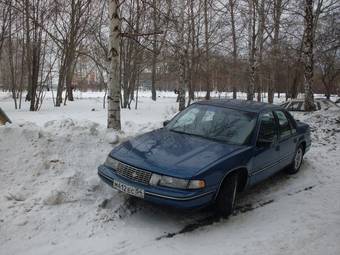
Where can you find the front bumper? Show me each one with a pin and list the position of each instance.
(185, 199)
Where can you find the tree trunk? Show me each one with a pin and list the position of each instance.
(12, 66)
(113, 120)
(308, 54)
(233, 31)
(297, 74)
(28, 51)
(153, 75)
(192, 44)
(23, 68)
(68, 79)
(259, 42)
(252, 50)
(61, 82)
(182, 81)
(155, 52)
(206, 28)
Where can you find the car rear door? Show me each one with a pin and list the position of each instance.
(287, 138)
(266, 151)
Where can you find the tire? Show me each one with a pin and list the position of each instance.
(294, 167)
(225, 201)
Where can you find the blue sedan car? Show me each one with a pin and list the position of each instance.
(207, 154)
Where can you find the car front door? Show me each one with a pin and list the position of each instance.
(287, 138)
(266, 151)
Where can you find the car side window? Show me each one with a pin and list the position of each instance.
(291, 122)
(284, 125)
(187, 119)
(267, 130)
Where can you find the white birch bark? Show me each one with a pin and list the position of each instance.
(113, 120)
(308, 55)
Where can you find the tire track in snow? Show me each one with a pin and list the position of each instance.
(213, 218)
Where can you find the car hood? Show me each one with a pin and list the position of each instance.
(170, 153)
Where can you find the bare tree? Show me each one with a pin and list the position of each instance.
(274, 84)
(155, 20)
(259, 45)
(113, 120)
(4, 22)
(308, 53)
(252, 35)
(327, 52)
(72, 24)
(232, 6)
(207, 50)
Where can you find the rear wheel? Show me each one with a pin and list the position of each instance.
(297, 161)
(225, 201)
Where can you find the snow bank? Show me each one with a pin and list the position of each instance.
(49, 177)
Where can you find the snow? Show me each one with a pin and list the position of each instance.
(52, 202)
(89, 106)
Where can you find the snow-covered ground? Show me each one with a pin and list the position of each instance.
(52, 202)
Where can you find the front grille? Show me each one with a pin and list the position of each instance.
(133, 173)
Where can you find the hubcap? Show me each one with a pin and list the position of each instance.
(298, 158)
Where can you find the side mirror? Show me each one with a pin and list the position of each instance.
(264, 143)
(166, 123)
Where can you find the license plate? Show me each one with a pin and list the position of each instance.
(128, 189)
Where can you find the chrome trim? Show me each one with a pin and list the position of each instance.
(163, 196)
(266, 167)
(178, 198)
(105, 176)
(274, 164)
(133, 173)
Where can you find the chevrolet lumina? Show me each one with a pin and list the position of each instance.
(207, 154)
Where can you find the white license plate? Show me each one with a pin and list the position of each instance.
(128, 189)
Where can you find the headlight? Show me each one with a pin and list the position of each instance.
(173, 182)
(196, 184)
(111, 162)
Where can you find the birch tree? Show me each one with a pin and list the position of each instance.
(207, 50)
(113, 120)
(308, 55)
(252, 35)
(232, 6)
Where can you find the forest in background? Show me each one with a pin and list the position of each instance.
(254, 46)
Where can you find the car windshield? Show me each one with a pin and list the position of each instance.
(216, 123)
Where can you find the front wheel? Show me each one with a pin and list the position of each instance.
(297, 161)
(225, 201)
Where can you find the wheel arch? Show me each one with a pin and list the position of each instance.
(303, 144)
(242, 172)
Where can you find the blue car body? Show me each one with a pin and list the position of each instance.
(196, 158)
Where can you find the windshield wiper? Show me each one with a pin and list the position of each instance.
(180, 132)
(205, 137)
(201, 136)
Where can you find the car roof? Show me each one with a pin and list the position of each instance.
(302, 99)
(238, 104)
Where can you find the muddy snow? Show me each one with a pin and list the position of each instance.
(52, 202)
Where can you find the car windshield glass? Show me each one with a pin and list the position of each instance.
(216, 123)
